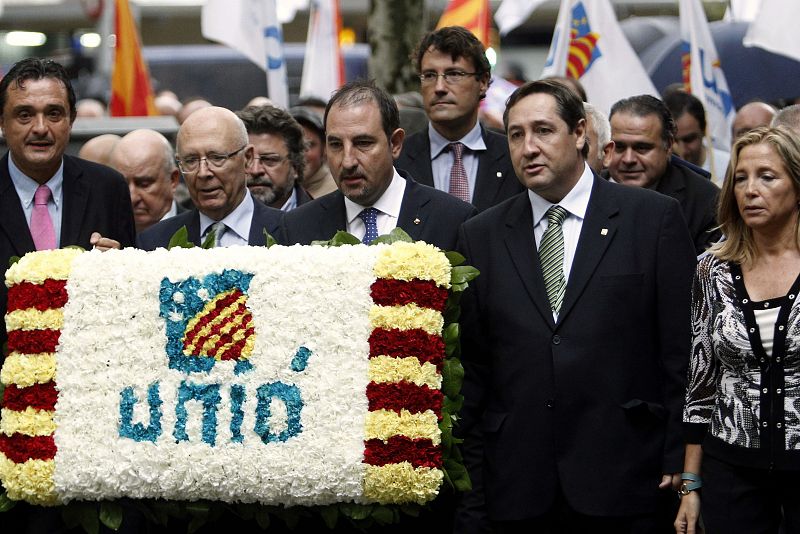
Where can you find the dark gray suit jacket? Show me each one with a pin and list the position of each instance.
(96, 199)
(158, 235)
(425, 214)
(588, 407)
(495, 181)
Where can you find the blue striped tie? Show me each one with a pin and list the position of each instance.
(551, 256)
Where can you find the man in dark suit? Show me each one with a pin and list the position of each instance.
(84, 203)
(279, 161)
(363, 135)
(146, 160)
(50, 200)
(575, 338)
(643, 131)
(455, 153)
(213, 153)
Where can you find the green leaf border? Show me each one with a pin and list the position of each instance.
(90, 515)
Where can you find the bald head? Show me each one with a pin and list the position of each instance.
(98, 149)
(788, 117)
(190, 107)
(216, 188)
(751, 116)
(146, 160)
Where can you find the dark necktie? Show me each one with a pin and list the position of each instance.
(370, 218)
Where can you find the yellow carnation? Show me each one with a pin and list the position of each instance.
(33, 319)
(388, 369)
(406, 317)
(36, 267)
(407, 261)
(383, 424)
(28, 369)
(31, 481)
(30, 421)
(401, 483)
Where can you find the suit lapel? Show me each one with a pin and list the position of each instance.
(335, 217)
(13, 220)
(76, 198)
(193, 227)
(414, 213)
(521, 247)
(419, 152)
(487, 183)
(597, 232)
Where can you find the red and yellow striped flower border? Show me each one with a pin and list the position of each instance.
(402, 445)
(34, 317)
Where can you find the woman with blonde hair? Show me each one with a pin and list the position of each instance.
(742, 411)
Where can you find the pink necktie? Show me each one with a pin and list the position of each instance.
(44, 236)
(459, 186)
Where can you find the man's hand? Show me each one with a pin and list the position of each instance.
(103, 243)
(688, 514)
(670, 481)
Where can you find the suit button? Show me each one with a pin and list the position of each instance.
(556, 339)
(548, 403)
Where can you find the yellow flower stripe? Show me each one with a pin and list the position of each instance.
(406, 261)
(388, 369)
(28, 369)
(406, 318)
(383, 424)
(31, 481)
(36, 267)
(31, 422)
(401, 483)
(212, 341)
(33, 319)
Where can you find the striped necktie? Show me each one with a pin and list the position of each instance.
(551, 256)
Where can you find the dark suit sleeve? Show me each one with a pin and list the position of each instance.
(674, 270)
(471, 516)
(126, 227)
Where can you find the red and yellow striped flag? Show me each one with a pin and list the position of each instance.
(131, 92)
(474, 15)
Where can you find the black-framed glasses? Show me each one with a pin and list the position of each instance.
(271, 161)
(451, 77)
(214, 161)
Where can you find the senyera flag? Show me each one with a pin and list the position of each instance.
(131, 92)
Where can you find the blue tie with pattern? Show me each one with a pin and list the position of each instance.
(370, 218)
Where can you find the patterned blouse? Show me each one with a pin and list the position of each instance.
(742, 404)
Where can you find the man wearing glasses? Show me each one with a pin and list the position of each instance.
(456, 154)
(213, 154)
(279, 162)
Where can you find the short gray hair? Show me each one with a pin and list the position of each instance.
(788, 117)
(601, 128)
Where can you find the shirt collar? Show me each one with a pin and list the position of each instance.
(389, 202)
(291, 202)
(473, 140)
(26, 187)
(575, 202)
(173, 211)
(237, 221)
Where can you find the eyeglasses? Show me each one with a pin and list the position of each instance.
(451, 77)
(214, 161)
(271, 161)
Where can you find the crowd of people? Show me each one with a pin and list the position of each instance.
(614, 382)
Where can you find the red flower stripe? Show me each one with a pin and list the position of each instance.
(423, 293)
(39, 396)
(212, 314)
(33, 341)
(404, 343)
(396, 396)
(19, 448)
(50, 294)
(418, 452)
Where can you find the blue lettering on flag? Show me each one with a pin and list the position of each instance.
(273, 35)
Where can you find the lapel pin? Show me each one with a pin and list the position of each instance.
(417, 221)
(499, 174)
(604, 231)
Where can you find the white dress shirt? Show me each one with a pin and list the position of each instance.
(575, 202)
(442, 157)
(238, 223)
(388, 206)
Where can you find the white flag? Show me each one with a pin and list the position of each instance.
(252, 28)
(323, 69)
(512, 13)
(775, 28)
(588, 45)
(706, 79)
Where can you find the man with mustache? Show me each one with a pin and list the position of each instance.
(279, 162)
(48, 199)
(362, 136)
(456, 154)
